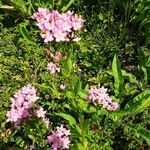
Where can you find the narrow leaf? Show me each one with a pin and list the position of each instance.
(118, 84)
(65, 8)
(67, 117)
(25, 33)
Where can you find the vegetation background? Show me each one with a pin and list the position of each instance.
(114, 51)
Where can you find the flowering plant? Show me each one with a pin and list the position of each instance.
(58, 106)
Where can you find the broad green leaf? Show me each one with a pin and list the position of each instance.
(83, 94)
(142, 131)
(118, 84)
(67, 117)
(84, 106)
(139, 103)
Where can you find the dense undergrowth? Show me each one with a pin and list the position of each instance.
(114, 53)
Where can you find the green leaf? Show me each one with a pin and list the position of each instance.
(145, 134)
(6, 7)
(139, 103)
(25, 33)
(67, 117)
(77, 147)
(129, 76)
(65, 8)
(68, 65)
(83, 94)
(20, 4)
(118, 84)
(84, 106)
(78, 87)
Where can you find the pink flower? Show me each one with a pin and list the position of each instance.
(31, 147)
(100, 96)
(41, 113)
(57, 57)
(47, 37)
(22, 101)
(60, 138)
(52, 68)
(57, 26)
(63, 87)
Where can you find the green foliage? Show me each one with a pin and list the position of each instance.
(116, 71)
(113, 52)
(139, 103)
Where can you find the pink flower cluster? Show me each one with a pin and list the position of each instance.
(41, 114)
(60, 138)
(56, 26)
(100, 96)
(22, 101)
(52, 68)
(56, 57)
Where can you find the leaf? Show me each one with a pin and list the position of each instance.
(84, 106)
(25, 33)
(67, 117)
(118, 84)
(68, 65)
(20, 4)
(139, 103)
(130, 77)
(119, 113)
(142, 131)
(67, 6)
(83, 94)
(78, 87)
(77, 147)
(6, 7)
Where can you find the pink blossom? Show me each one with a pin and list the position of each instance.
(31, 147)
(63, 87)
(52, 68)
(100, 96)
(56, 57)
(22, 101)
(60, 138)
(41, 113)
(57, 26)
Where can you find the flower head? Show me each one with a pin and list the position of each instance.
(41, 113)
(60, 138)
(56, 26)
(22, 101)
(100, 96)
(52, 68)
